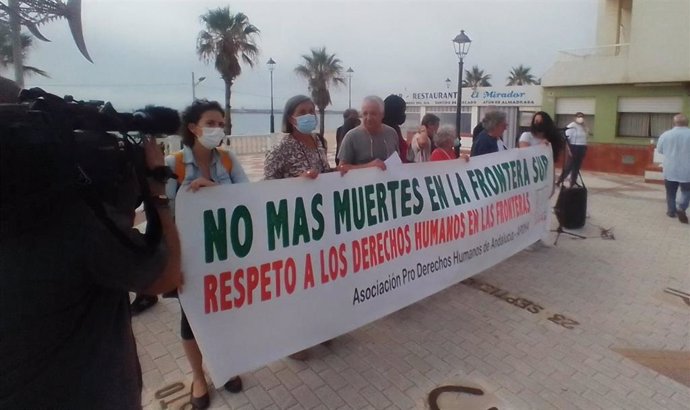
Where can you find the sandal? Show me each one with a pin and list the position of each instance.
(234, 385)
(199, 403)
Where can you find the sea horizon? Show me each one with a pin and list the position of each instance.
(259, 123)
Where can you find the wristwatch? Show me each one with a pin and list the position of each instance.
(160, 201)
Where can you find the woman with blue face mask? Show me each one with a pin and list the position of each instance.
(202, 164)
(300, 153)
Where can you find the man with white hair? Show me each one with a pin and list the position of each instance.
(491, 139)
(371, 143)
(674, 145)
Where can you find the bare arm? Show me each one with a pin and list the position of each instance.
(422, 138)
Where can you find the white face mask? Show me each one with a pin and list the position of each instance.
(211, 137)
(580, 120)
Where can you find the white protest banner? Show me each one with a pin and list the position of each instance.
(274, 267)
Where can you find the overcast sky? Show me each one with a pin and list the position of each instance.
(144, 50)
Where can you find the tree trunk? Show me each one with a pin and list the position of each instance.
(322, 120)
(228, 115)
(15, 31)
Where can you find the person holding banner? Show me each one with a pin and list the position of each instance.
(370, 144)
(202, 164)
(445, 144)
(543, 131)
(299, 153)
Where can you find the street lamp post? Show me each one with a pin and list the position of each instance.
(447, 82)
(271, 66)
(462, 46)
(194, 84)
(349, 86)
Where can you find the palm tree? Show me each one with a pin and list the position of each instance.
(32, 14)
(321, 69)
(521, 75)
(227, 40)
(6, 55)
(476, 78)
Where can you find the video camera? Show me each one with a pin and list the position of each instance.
(52, 146)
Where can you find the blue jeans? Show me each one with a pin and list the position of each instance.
(671, 190)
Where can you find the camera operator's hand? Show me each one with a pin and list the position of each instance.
(153, 153)
(200, 183)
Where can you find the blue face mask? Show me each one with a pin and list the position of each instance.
(306, 123)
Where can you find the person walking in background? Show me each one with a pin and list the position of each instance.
(490, 140)
(350, 121)
(394, 116)
(576, 132)
(674, 145)
(423, 142)
(371, 143)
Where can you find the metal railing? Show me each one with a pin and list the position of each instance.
(251, 144)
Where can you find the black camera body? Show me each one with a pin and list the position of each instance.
(51, 147)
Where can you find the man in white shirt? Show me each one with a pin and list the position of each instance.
(576, 133)
(370, 144)
(674, 145)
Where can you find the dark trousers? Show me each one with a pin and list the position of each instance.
(573, 163)
(671, 191)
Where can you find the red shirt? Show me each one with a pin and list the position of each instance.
(441, 154)
(402, 148)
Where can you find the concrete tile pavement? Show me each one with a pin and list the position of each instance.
(596, 295)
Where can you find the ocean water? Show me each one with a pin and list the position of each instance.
(259, 123)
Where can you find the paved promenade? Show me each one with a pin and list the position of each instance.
(587, 324)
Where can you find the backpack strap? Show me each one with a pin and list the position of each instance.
(180, 168)
(225, 160)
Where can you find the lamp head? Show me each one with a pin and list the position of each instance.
(462, 44)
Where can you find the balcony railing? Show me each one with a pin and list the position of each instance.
(611, 50)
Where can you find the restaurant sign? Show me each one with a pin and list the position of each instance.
(528, 95)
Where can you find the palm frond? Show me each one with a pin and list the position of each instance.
(304, 71)
(29, 70)
(228, 40)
